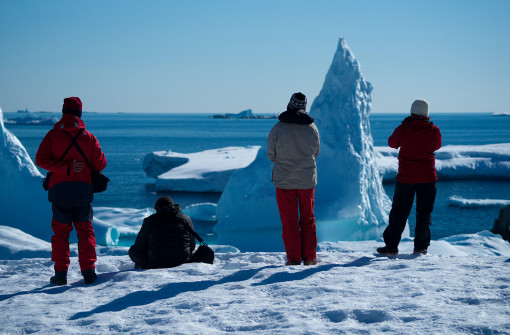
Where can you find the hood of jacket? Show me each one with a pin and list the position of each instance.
(296, 116)
(418, 122)
(69, 122)
(169, 210)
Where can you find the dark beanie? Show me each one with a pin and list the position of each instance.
(72, 105)
(297, 101)
(163, 202)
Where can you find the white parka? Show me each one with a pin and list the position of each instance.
(293, 149)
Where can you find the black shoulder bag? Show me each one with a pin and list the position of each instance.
(99, 180)
(46, 180)
(204, 253)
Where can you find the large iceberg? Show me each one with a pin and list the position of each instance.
(23, 202)
(350, 201)
(205, 171)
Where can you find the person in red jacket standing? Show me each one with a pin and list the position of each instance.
(70, 189)
(417, 139)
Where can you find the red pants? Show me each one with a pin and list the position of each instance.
(298, 223)
(60, 240)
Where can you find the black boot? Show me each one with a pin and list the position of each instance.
(89, 276)
(387, 251)
(60, 278)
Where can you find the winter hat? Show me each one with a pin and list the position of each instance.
(297, 101)
(163, 202)
(72, 105)
(420, 107)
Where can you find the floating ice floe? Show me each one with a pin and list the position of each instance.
(456, 162)
(205, 171)
(33, 119)
(205, 211)
(475, 203)
(453, 162)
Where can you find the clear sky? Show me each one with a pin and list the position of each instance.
(225, 56)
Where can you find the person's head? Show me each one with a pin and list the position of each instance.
(297, 102)
(420, 107)
(164, 202)
(72, 106)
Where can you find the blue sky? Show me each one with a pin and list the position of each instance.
(226, 56)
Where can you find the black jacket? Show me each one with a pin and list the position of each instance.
(163, 241)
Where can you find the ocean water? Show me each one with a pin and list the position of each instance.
(127, 138)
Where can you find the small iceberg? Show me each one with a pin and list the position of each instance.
(246, 114)
(501, 114)
(205, 171)
(456, 201)
(32, 119)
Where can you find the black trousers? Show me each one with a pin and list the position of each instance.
(401, 208)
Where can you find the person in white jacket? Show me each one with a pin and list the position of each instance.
(293, 145)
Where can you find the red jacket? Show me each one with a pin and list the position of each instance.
(66, 187)
(417, 139)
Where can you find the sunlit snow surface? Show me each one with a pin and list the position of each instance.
(460, 287)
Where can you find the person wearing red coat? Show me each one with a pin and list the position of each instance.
(417, 139)
(70, 189)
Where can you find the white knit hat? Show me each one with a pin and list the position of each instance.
(420, 107)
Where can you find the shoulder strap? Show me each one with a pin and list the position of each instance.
(194, 233)
(75, 143)
(71, 144)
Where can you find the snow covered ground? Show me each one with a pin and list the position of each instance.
(461, 287)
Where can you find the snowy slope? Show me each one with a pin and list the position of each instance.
(460, 287)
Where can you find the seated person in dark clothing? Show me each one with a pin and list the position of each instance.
(163, 240)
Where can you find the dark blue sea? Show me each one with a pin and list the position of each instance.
(127, 138)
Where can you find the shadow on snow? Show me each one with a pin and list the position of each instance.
(141, 298)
